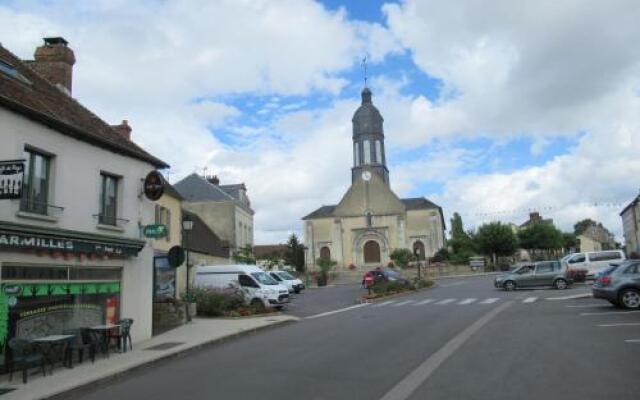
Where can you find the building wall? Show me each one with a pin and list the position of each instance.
(219, 216)
(75, 185)
(244, 228)
(426, 226)
(631, 228)
(175, 225)
(588, 244)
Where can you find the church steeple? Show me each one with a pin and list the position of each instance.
(368, 140)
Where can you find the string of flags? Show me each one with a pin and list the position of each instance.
(545, 209)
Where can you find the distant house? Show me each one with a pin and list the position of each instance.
(535, 218)
(225, 209)
(596, 238)
(267, 254)
(631, 226)
(204, 246)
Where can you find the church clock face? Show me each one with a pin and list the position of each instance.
(366, 175)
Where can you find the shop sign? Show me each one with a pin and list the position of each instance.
(23, 241)
(175, 256)
(153, 185)
(155, 231)
(11, 179)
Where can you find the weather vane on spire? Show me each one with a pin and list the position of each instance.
(364, 67)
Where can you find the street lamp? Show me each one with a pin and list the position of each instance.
(187, 226)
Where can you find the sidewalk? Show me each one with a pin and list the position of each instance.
(200, 332)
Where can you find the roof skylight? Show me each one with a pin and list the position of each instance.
(10, 70)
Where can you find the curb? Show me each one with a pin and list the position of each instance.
(77, 390)
(467, 275)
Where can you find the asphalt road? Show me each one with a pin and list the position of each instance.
(460, 340)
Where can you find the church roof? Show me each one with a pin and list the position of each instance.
(414, 203)
(367, 119)
(322, 212)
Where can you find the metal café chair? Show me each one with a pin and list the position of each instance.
(81, 343)
(124, 335)
(23, 354)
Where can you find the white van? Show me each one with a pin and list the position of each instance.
(256, 285)
(593, 261)
(294, 284)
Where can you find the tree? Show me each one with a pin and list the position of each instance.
(496, 239)
(295, 253)
(244, 255)
(325, 265)
(541, 236)
(402, 257)
(569, 241)
(461, 243)
(581, 226)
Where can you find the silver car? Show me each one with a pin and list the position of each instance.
(620, 285)
(542, 273)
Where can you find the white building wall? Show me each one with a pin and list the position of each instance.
(76, 186)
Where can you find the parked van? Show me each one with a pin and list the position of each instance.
(294, 284)
(256, 285)
(593, 261)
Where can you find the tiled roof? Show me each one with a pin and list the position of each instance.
(43, 102)
(265, 250)
(632, 204)
(418, 203)
(195, 188)
(324, 211)
(170, 190)
(202, 239)
(233, 190)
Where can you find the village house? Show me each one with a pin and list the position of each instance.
(71, 248)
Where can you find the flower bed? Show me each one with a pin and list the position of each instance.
(390, 288)
(223, 303)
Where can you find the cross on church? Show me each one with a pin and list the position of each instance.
(364, 67)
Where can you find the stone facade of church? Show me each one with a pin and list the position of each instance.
(371, 221)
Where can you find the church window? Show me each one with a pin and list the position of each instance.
(367, 152)
(369, 220)
(356, 154)
(378, 152)
(325, 253)
(371, 252)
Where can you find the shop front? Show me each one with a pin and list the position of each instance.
(53, 280)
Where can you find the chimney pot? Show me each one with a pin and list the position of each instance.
(124, 129)
(213, 179)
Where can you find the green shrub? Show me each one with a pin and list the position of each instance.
(422, 283)
(217, 302)
(390, 287)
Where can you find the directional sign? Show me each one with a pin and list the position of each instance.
(155, 231)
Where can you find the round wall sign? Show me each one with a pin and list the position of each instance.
(153, 185)
(175, 257)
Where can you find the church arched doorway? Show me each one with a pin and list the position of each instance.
(325, 253)
(418, 250)
(371, 252)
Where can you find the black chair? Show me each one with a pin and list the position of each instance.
(124, 334)
(24, 355)
(81, 342)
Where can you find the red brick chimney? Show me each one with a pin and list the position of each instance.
(54, 61)
(123, 129)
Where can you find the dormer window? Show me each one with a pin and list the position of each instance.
(10, 71)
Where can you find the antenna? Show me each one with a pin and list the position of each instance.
(204, 171)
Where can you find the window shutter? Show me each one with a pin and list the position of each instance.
(157, 214)
(168, 225)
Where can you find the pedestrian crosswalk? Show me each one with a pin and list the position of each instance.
(448, 301)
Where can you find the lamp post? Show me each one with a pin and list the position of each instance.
(187, 226)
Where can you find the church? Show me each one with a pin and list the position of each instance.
(371, 220)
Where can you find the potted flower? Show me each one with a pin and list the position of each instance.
(190, 299)
(391, 264)
(352, 266)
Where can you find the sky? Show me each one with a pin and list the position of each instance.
(492, 109)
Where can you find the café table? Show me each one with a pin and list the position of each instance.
(103, 331)
(49, 343)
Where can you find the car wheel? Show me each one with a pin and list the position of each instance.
(509, 285)
(560, 284)
(630, 298)
(258, 305)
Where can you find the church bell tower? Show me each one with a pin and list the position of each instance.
(368, 142)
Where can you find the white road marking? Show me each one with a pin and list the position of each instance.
(402, 303)
(385, 303)
(608, 313)
(621, 324)
(446, 301)
(425, 301)
(489, 301)
(632, 340)
(467, 301)
(586, 305)
(529, 299)
(406, 387)
(324, 314)
(571, 297)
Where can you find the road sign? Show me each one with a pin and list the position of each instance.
(155, 231)
(176, 256)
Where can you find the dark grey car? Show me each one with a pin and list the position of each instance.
(542, 273)
(620, 285)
